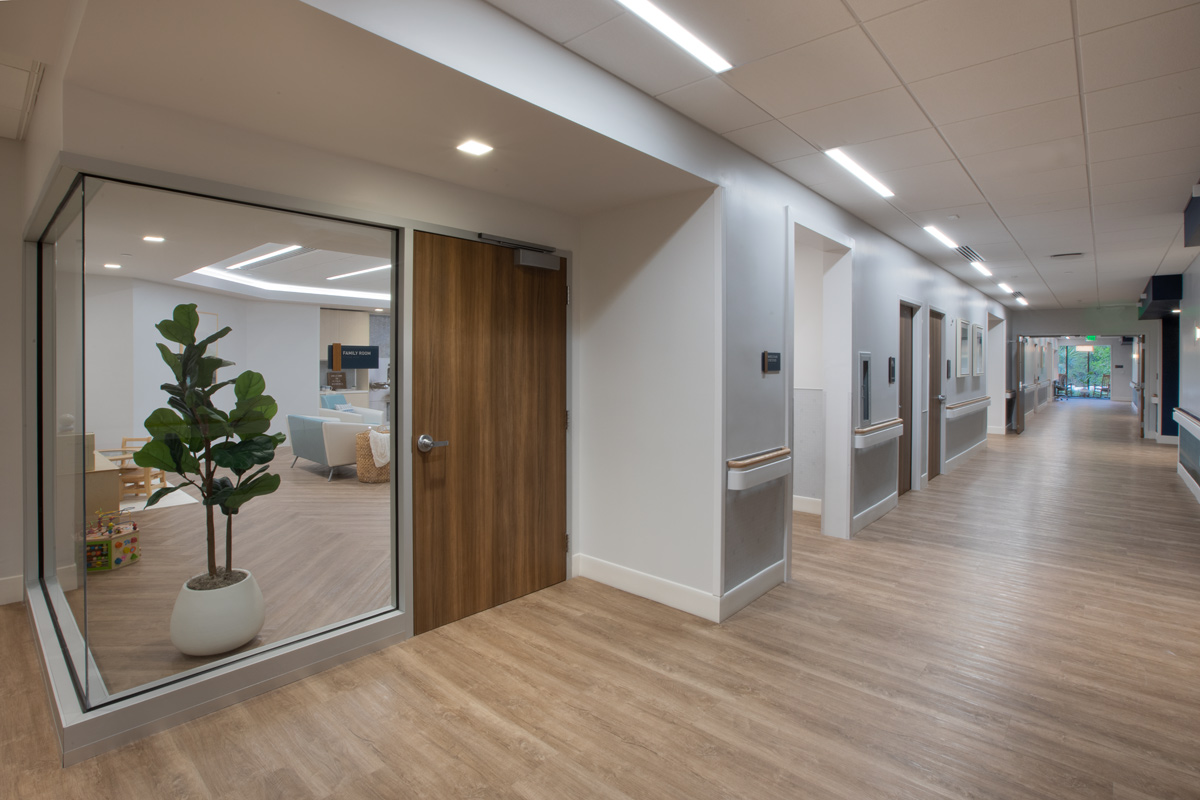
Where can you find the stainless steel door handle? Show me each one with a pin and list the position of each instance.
(425, 443)
(942, 397)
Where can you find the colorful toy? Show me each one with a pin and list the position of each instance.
(112, 543)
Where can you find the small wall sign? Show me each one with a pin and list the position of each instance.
(335, 380)
(771, 362)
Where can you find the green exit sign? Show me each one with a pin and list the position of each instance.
(1090, 338)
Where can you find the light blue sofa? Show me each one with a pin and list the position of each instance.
(325, 441)
(330, 402)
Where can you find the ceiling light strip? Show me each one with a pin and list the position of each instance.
(257, 259)
(267, 286)
(359, 272)
(851, 166)
(941, 237)
(678, 34)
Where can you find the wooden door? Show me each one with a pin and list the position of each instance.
(904, 379)
(936, 393)
(1139, 348)
(489, 378)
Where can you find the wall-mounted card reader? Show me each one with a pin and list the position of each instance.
(864, 388)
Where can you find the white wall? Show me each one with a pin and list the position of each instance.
(1189, 342)
(808, 381)
(997, 353)
(646, 293)
(12, 466)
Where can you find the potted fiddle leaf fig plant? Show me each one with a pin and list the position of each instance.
(225, 456)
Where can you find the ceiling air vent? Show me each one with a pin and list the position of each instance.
(968, 253)
(1066, 255)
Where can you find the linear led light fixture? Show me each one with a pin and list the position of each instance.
(1020, 298)
(1005, 287)
(984, 270)
(246, 280)
(678, 34)
(257, 259)
(1176, 310)
(153, 239)
(112, 266)
(941, 237)
(359, 272)
(857, 171)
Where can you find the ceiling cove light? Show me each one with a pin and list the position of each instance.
(153, 239)
(475, 148)
(668, 27)
(268, 286)
(941, 237)
(264, 257)
(1005, 287)
(984, 270)
(359, 272)
(854, 169)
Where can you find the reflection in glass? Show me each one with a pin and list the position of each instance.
(320, 547)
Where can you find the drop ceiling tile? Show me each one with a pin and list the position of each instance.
(870, 9)
(715, 105)
(1178, 187)
(771, 141)
(1035, 76)
(815, 170)
(898, 152)
(1042, 122)
(828, 70)
(940, 36)
(752, 29)
(1073, 221)
(561, 20)
(1042, 203)
(1138, 208)
(1002, 254)
(861, 119)
(638, 54)
(9, 59)
(1150, 137)
(1006, 187)
(1112, 239)
(1032, 158)
(931, 186)
(1147, 222)
(1154, 165)
(1137, 51)
(1145, 101)
(10, 120)
(976, 225)
(1176, 260)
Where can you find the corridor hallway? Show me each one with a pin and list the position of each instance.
(1025, 628)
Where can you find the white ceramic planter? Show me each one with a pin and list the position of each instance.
(205, 623)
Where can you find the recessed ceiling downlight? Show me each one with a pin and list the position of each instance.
(475, 148)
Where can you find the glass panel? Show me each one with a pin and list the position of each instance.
(319, 545)
(1086, 373)
(69, 481)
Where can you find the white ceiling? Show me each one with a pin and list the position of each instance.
(19, 77)
(1022, 128)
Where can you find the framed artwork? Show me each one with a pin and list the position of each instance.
(963, 349)
(977, 349)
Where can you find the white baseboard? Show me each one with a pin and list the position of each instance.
(12, 589)
(651, 587)
(1171, 440)
(874, 512)
(961, 458)
(751, 589)
(996, 430)
(1189, 481)
(806, 505)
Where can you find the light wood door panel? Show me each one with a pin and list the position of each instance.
(489, 377)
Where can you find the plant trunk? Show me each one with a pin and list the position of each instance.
(228, 543)
(212, 526)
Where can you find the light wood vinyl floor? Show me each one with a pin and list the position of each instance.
(1025, 628)
(320, 551)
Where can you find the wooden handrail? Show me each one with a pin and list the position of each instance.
(1188, 414)
(967, 402)
(891, 423)
(751, 461)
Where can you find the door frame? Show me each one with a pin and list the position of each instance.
(916, 409)
(934, 407)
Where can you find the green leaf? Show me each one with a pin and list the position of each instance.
(185, 462)
(222, 488)
(204, 343)
(249, 385)
(241, 456)
(206, 370)
(161, 493)
(163, 421)
(172, 331)
(264, 484)
(250, 424)
(156, 454)
(171, 359)
(186, 317)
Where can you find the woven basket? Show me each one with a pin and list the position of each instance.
(367, 471)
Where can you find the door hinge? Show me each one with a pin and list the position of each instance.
(567, 539)
(568, 295)
(568, 420)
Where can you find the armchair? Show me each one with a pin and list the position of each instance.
(325, 441)
(329, 408)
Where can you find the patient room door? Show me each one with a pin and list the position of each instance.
(489, 380)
